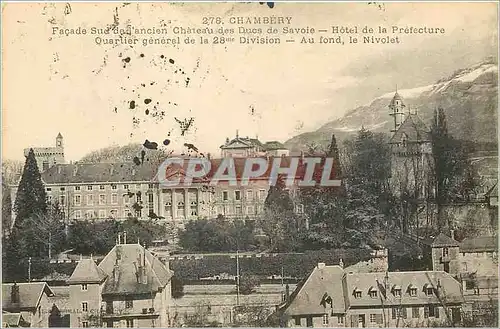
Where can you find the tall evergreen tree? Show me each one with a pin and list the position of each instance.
(31, 196)
(6, 209)
(453, 172)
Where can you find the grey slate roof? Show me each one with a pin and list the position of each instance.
(402, 280)
(30, 294)
(414, 128)
(125, 259)
(87, 271)
(326, 280)
(99, 172)
(334, 282)
(443, 240)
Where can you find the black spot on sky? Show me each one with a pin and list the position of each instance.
(142, 55)
(147, 101)
(162, 56)
(171, 61)
(132, 105)
(150, 145)
(143, 85)
(166, 142)
(147, 111)
(116, 110)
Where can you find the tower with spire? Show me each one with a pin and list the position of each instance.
(397, 110)
(411, 161)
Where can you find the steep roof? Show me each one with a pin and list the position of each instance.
(479, 244)
(122, 264)
(397, 97)
(30, 294)
(493, 192)
(414, 129)
(443, 240)
(13, 320)
(87, 271)
(323, 282)
(333, 282)
(449, 291)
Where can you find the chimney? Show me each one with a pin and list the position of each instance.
(75, 169)
(58, 170)
(302, 155)
(287, 292)
(341, 263)
(119, 238)
(452, 234)
(124, 237)
(115, 273)
(133, 172)
(14, 295)
(209, 156)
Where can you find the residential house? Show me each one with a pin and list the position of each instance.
(27, 303)
(332, 297)
(129, 288)
(13, 320)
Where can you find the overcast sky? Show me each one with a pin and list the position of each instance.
(69, 84)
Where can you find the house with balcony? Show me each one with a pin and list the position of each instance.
(130, 288)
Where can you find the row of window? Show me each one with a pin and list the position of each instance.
(103, 187)
(430, 311)
(396, 291)
(249, 195)
(109, 324)
(102, 199)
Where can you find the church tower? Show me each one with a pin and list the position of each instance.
(397, 108)
(59, 141)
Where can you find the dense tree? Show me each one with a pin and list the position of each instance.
(6, 209)
(453, 173)
(217, 235)
(279, 221)
(31, 196)
(325, 206)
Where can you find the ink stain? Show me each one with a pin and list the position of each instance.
(150, 145)
(166, 142)
(147, 112)
(147, 101)
(162, 56)
(141, 55)
(171, 61)
(191, 147)
(132, 105)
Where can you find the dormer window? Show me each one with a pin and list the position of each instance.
(396, 290)
(412, 290)
(372, 292)
(357, 293)
(428, 290)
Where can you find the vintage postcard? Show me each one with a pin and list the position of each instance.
(250, 164)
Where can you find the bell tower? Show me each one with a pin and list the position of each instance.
(59, 141)
(397, 108)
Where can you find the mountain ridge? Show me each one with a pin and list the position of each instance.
(469, 97)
